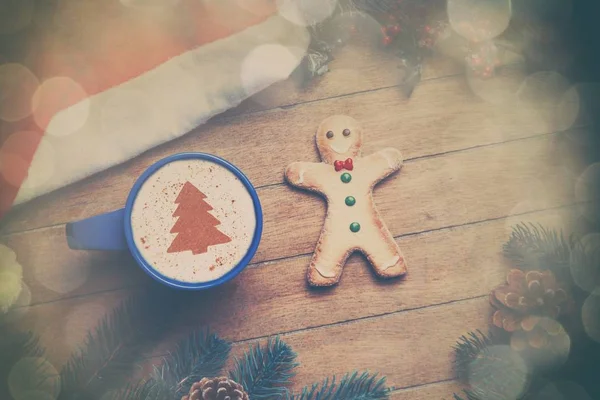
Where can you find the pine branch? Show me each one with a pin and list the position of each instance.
(535, 247)
(111, 351)
(492, 372)
(14, 346)
(144, 390)
(470, 395)
(264, 373)
(467, 349)
(198, 356)
(351, 387)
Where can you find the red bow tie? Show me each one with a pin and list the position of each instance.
(340, 165)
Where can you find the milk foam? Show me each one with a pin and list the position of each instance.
(152, 219)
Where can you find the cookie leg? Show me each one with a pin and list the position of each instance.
(328, 261)
(385, 255)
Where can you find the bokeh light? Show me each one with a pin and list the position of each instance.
(67, 276)
(61, 106)
(15, 15)
(11, 275)
(267, 64)
(542, 92)
(17, 86)
(549, 340)
(81, 317)
(567, 110)
(150, 3)
(587, 192)
(306, 12)
(33, 375)
(572, 391)
(15, 152)
(479, 20)
(502, 88)
(507, 374)
(590, 315)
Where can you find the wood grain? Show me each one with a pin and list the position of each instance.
(432, 391)
(442, 116)
(358, 67)
(434, 192)
(447, 265)
(402, 346)
(409, 348)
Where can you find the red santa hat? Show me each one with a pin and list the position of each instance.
(103, 81)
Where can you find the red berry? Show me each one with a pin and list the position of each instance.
(387, 40)
(427, 29)
(395, 29)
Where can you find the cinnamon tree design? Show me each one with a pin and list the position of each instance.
(195, 227)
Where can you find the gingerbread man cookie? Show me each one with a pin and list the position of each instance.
(346, 180)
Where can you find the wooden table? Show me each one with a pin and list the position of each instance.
(472, 170)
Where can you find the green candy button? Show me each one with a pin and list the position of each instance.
(350, 201)
(355, 227)
(346, 177)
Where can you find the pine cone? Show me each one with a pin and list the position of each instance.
(221, 388)
(527, 307)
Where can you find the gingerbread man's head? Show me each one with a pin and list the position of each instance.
(339, 137)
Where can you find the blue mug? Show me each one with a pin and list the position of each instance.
(114, 230)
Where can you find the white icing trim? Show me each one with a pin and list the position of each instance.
(301, 176)
(391, 162)
(172, 99)
(392, 263)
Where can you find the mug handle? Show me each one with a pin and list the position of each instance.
(101, 232)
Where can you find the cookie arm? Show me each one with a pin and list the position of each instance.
(384, 163)
(305, 175)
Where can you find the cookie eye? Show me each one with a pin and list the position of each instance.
(329, 134)
(346, 132)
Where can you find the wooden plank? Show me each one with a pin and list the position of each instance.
(432, 193)
(402, 346)
(432, 391)
(358, 67)
(436, 192)
(409, 348)
(441, 116)
(448, 265)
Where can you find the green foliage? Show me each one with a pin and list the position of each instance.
(264, 372)
(112, 350)
(467, 349)
(14, 346)
(145, 390)
(535, 247)
(351, 387)
(199, 355)
(469, 395)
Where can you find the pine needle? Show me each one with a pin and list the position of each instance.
(200, 355)
(351, 387)
(534, 247)
(264, 372)
(470, 395)
(467, 349)
(144, 390)
(14, 346)
(111, 351)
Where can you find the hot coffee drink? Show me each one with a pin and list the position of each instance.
(193, 220)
